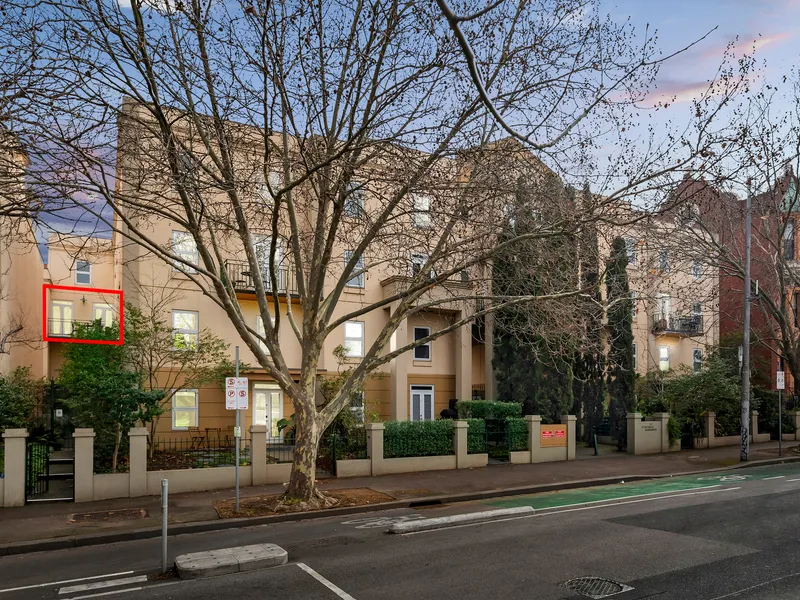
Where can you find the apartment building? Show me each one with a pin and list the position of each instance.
(674, 292)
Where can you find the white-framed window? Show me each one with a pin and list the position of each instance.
(697, 359)
(416, 264)
(663, 260)
(357, 405)
(635, 359)
(354, 201)
(103, 313)
(354, 338)
(185, 329)
(664, 306)
(788, 241)
(274, 182)
(663, 358)
(61, 319)
(357, 281)
(421, 403)
(421, 216)
(261, 332)
(634, 310)
(422, 352)
(83, 272)
(262, 246)
(697, 309)
(697, 270)
(184, 409)
(630, 250)
(184, 247)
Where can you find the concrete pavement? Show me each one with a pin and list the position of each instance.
(47, 521)
(734, 538)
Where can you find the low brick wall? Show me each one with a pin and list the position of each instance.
(111, 485)
(414, 464)
(198, 480)
(354, 468)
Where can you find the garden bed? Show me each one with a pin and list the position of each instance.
(258, 506)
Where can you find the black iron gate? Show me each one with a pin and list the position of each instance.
(37, 468)
(498, 445)
(690, 431)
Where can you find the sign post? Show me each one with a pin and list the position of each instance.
(780, 384)
(236, 398)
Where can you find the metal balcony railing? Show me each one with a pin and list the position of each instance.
(678, 324)
(64, 327)
(242, 280)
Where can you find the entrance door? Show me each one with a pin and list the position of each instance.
(268, 409)
(422, 403)
(261, 247)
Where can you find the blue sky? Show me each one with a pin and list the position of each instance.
(773, 25)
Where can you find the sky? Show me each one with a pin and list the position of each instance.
(772, 26)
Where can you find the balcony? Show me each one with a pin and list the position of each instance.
(68, 328)
(238, 272)
(681, 325)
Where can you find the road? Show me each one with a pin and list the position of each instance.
(709, 537)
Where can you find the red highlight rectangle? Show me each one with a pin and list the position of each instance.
(73, 288)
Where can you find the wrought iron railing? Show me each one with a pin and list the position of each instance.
(241, 277)
(681, 324)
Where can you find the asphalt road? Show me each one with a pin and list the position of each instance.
(707, 538)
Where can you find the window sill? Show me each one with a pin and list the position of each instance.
(423, 363)
(356, 291)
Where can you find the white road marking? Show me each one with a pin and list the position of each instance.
(754, 587)
(776, 477)
(111, 593)
(41, 585)
(335, 589)
(558, 512)
(85, 587)
(793, 480)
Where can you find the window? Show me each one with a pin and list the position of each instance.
(663, 358)
(260, 331)
(357, 281)
(184, 329)
(788, 241)
(274, 183)
(421, 403)
(357, 405)
(634, 357)
(103, 313)
(184, 409)
(61, 322)
(422, 352)
(83, 272)
(354, 338)
(663, 260)
(184, 247)
(634, 311)
(262, 245)
(697, 309)
(421, 217)
(416, 264)
(354, 202)
(630, 249)
(697, 359)
(664, 306)
(697, 270)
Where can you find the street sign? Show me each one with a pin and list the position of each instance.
(779, 381)
(59, 413)
(236, 393)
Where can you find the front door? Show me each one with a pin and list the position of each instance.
(268, 409)
(422, 403)
(261, 247)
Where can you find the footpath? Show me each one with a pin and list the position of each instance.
(38, 527)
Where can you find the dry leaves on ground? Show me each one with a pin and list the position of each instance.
(257, 506)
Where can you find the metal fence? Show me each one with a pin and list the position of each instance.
(280, 451)
(183, 453)
(37, 465)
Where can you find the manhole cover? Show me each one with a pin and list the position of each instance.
(109, 516)
(595, 587)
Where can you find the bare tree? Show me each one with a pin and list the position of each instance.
(321, 142)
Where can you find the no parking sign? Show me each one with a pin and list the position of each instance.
(236, 393)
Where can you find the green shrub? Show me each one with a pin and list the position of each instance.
(766, 403)
(517, 430)
(418, 438)
(476, 436)
(675, 430)
(487, 409)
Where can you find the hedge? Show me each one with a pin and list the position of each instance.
(487, 409)
(517, 430)
(476, 436)
(418, 438)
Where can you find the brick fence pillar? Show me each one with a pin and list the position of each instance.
(84, 465)
(375, 446)
(460, 443)
(137, 470)
(258, 453)
(14, 486)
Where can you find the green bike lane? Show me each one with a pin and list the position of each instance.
(651, 487)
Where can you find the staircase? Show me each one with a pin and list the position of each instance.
(60, 478)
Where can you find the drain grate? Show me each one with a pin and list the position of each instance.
(595, 587)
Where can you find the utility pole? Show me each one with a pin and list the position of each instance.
(745, 445)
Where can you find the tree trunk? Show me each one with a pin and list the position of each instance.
(117, 440)
(303, 480)
(151, 442)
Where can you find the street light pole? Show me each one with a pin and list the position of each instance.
(745, 444)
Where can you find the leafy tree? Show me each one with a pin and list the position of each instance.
(103, 394)
(621, 374)
(19, 395)
(164, 363)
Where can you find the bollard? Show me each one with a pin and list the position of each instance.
(596, 453)
(164, 523)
